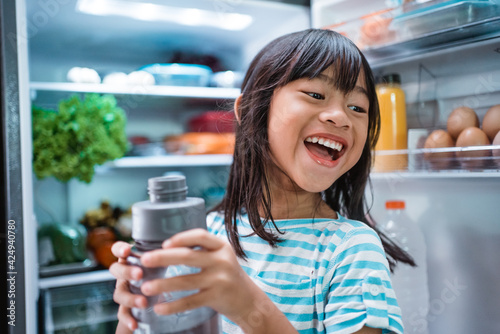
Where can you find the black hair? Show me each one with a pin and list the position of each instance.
(303, 54)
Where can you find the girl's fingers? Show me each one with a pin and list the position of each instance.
(175, 256)
(124, 297)
(184, 304)
(121, 249)
(194, 238)
(177, 283)
(125, 271)
(126, 318)
(184, 248)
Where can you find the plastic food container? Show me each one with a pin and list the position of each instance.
(179, 74)
(370, 30)
(420, 20)
(227, 79)
(433, 16)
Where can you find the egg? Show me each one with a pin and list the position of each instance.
(460, 119)
(472, 136)
(496, 152)
(439, 139)
(491, 122)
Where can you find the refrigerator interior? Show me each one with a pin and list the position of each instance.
(78, 33)
(118, 43)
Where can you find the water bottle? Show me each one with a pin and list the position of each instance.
(409, 283)
(168, 211)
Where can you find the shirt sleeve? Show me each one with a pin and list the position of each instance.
(360, 291)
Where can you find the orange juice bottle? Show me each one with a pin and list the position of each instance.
(393, 129)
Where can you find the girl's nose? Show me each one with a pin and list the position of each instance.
(335, 115)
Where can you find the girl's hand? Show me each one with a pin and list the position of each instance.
(222, 283)
(122, 295)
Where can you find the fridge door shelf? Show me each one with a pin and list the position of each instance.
(456, 161)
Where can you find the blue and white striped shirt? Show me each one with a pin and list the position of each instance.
(326, 276)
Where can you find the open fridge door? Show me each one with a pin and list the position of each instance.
(18, 236)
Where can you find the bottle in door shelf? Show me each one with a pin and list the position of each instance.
(409, 283)
(393, 127)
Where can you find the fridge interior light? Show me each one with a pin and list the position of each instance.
(155, 12)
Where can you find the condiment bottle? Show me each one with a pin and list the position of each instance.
(393, 129)
(167, 212)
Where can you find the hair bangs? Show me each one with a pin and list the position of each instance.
(322, 52)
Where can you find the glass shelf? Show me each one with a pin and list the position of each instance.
(153, 90)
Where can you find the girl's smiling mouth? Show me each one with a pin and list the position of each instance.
(326, 151)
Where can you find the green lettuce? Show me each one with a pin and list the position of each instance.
(68, 143)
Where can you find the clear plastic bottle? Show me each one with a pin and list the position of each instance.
(168, 212)
(393, 125)
(409, 283)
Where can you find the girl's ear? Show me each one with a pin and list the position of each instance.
(237, 109)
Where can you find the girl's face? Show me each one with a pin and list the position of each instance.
(316, 133)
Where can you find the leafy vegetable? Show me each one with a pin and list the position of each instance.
(82, 134)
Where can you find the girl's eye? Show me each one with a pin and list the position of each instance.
(316, 96)
(358, 109)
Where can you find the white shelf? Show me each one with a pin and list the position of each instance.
(160, 91)
(171, 161)
(75, 279)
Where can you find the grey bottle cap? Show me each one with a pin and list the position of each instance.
(169, 210)
(167, 188)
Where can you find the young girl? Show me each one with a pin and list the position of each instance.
(289, 249)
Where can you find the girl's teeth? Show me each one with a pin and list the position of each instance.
(325, 142)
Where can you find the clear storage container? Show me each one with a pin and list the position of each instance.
(179, 74)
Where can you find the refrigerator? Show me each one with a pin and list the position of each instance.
(441, 67)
